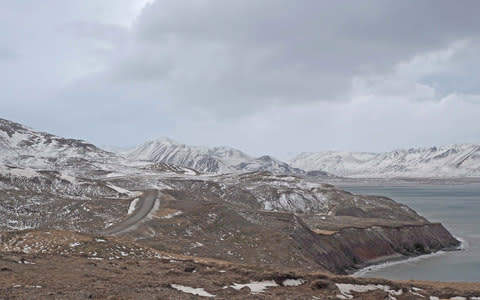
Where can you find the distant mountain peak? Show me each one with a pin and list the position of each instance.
(165, 140)
(219, 159)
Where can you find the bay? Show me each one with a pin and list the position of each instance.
(457, 207)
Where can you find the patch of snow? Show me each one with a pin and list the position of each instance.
(123, 191)
(132, 206)
(194, 291)
(255, 286)
(188, 171)
(197, 244)
(415, 291)
(417, 294)
(293, 282)
(463, 243)
(346, 289)
(174, 214)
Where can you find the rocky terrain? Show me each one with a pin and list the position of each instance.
(447, 161)
(149, 229)
(82, 266)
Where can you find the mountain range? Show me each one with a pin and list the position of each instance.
(23, 147)
(453, 161)
(461, 160)
(207, 159)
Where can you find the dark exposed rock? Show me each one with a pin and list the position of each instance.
(322, 284)
(353, 248)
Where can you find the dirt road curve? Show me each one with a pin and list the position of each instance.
(145, 205)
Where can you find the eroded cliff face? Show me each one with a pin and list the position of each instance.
(352, 248)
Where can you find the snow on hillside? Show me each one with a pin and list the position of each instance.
(206, 159)
(267, 163)
(446, 161)
(46, 180)
(25, 148)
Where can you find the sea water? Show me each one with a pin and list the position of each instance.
(457, 207)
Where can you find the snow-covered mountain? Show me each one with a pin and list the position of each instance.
(23, 147)
(207, 159)
(215, 160)
(46, 180)
(446, 161)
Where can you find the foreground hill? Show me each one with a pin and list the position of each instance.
(65, 265)
(207, 159)
(446, 161)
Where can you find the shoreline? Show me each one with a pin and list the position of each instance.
(402, 181)
(383, 263)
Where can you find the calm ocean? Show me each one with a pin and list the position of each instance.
(457, 207)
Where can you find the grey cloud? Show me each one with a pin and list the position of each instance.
(7, 54)
(271, 76)
(96, 31)
(251, 54)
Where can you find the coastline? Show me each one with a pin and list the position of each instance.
(385, 262)
(402, 181)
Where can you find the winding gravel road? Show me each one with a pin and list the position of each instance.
(145, 205)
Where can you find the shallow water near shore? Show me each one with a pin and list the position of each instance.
(457, 207)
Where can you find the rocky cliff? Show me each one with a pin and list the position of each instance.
(353, 248)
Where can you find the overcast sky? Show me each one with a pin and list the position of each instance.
(273, 77)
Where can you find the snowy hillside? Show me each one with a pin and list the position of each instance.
(267, 163)
(446, 161)
(205, 159)
(23, 147)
